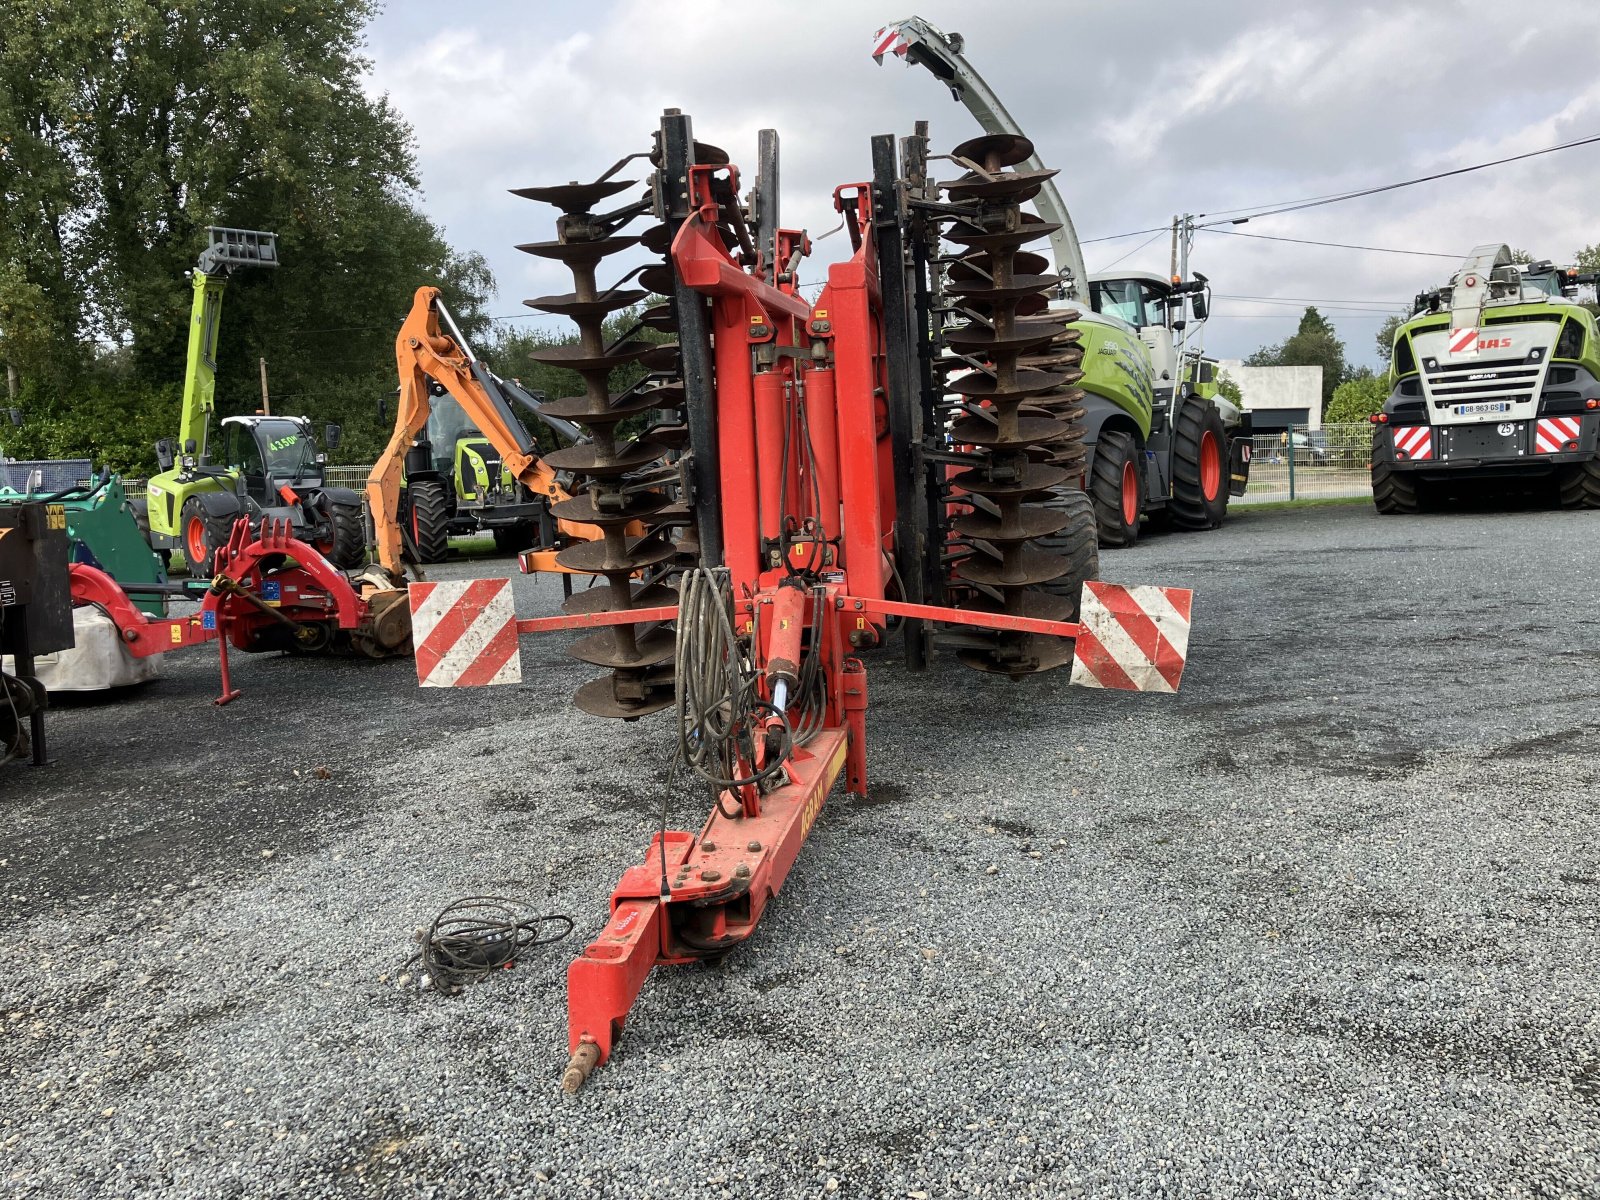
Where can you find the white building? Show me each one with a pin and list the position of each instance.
(1277, 397)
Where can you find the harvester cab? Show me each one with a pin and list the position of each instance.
(1155, 442)
(1495, 380)
(270, 468)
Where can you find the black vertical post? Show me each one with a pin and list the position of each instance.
(767, 192)
(905, 411)
(694, 340)
(925, 305)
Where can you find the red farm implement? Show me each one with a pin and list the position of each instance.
(899, 449)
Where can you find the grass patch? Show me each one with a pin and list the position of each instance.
(1303, 502)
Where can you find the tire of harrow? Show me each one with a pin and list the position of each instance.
(1580, 484)
(1115, 450)
(1198, 420)
(430, 519)
(1393, 491)
(1078, 543)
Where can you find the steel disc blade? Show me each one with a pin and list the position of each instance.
(1014, 186)
(575, 196)
(598, 697)
(651, 648)
(991, 151)
(600, 599)
(976, 431)
(592, 460)
(988, 289)
(574, 253)
(635, 506)
(575, 358)
(571, 304)
(596, 558)
(1029, 566)
(982, 385)
(584, 410)
(1030, 478)
(1025, 523)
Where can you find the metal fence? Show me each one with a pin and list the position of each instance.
(1306, 464)
(1297, 464)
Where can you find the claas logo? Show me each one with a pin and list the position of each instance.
(1494, 343)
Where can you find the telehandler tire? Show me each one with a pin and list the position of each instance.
(1580, 484)
(204, 533)
(1116, 488)
(430, 519)
(1199, 466)
(1394, 491)
(347, 547)
(1078, 543)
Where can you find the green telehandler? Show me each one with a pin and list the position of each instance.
(270, 466)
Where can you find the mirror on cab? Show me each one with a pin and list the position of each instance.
(332, 435)
(166, 453)
(1198, 303)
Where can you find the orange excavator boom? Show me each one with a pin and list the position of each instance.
(425, 349)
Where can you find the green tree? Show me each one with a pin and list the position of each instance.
(1385, 336)
(1358, 397)
(127, 126)
(1314, 344)
(1228, 388)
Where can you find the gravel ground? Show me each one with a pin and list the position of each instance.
(1324, 923)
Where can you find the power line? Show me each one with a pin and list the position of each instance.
(1336, 197)
(1384, 304)
(1317, 202)
(1267, 237)
(1132, 252)
(1116, 237)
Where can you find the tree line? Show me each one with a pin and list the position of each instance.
(126, 128)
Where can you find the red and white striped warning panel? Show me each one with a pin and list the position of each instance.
(1134, 638)
(1413, 442)
(465, 632)
(1551, 434)
(888, 41)
(1464, 343)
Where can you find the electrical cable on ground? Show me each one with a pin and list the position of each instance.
(477, 935)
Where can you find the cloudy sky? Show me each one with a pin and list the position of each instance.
(1148, 107)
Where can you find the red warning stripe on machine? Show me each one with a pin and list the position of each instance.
(1463, 341)
(465, 632)
(1552, 434)
(888, 40)
(1413, 442)
(1134, 638)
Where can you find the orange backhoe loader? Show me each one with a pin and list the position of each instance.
(424, 351)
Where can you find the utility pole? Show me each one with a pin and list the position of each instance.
(266, 404)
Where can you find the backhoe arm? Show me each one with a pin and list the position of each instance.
(423, 351)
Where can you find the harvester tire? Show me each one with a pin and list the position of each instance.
(347, 547)
(1116, 488)
(1199, 466)
(1394, 491)
(513, 539)
(203, 533)
(1580, 484)
(430, 519)
(1078, 543)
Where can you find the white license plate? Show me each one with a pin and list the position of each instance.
(1473, 410)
